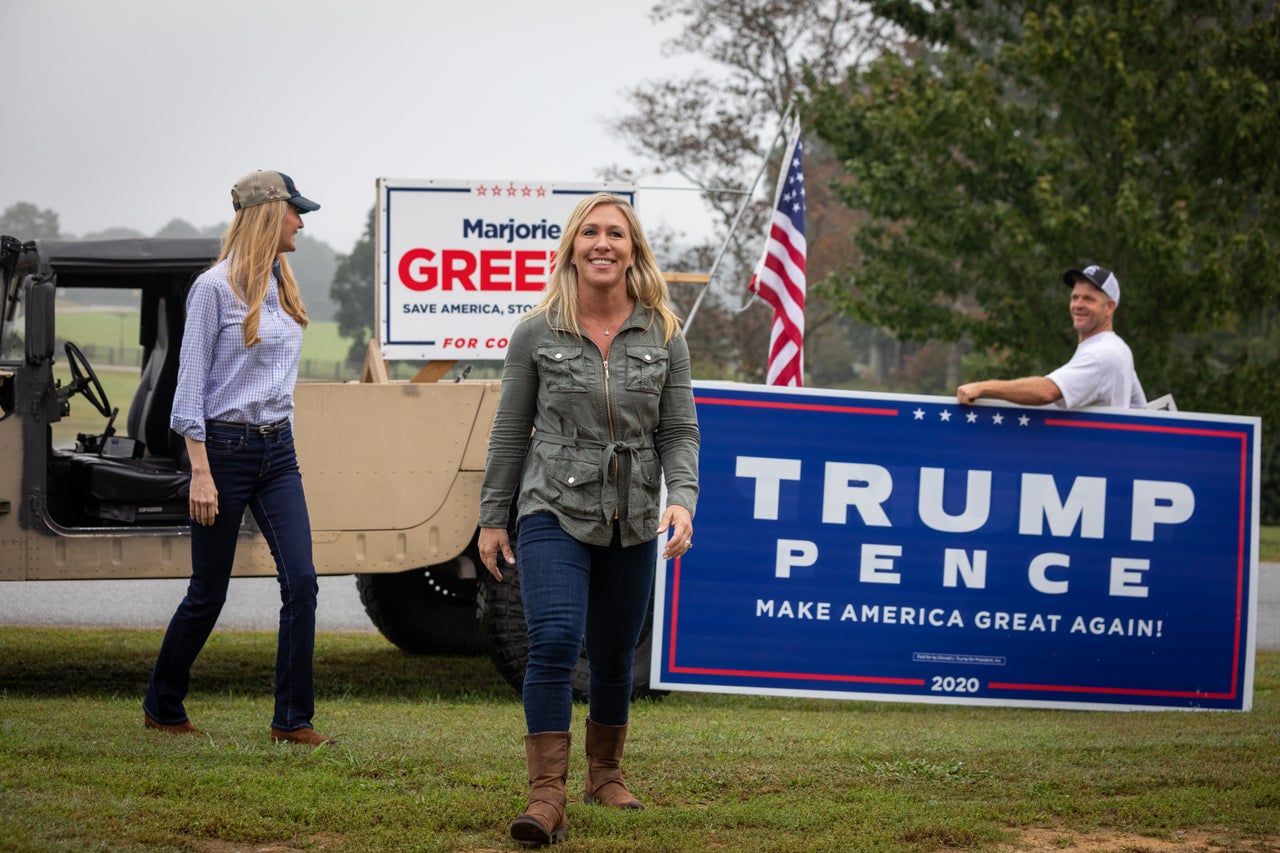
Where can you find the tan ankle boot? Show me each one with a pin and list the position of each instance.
(604, 767)
(543, 821)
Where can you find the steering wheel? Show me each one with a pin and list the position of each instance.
(85, 381)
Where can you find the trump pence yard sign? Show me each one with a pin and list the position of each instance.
(908, 548)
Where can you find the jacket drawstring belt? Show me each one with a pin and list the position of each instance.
(607, 452)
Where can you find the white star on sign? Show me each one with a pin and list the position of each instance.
(919, 413)
(946, 416)
(1023, 420)
(972, 417)
(997, 418)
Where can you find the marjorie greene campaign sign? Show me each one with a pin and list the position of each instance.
(907, 548)
(460, 261)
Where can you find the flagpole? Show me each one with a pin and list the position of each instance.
(779, 277)
(746, 201)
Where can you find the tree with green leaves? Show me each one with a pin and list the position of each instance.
(353, 294)
(25, 221)
(1013, 141)
(712, 128)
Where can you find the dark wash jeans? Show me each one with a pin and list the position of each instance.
(260, 472)
(571, 590)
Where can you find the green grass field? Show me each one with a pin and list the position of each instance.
(430, 759)
(1269, 544)
(110, 334)
(116, 328)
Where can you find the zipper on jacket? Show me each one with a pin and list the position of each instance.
(608, 404)
(608, 414)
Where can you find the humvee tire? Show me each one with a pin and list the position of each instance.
(427, 611)
(507, 639)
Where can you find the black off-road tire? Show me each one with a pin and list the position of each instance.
(507, 639)
(427, 611)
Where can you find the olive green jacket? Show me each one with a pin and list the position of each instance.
(587, 439)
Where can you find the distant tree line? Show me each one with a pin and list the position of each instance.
(313, 263)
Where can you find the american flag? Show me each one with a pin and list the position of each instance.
(779, 277)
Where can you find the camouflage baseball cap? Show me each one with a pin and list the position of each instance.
(262, 186)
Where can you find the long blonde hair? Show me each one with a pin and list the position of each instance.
(252, 243)
(645, 283)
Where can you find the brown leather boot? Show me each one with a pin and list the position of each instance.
(182, 728)
(306, 737)
(543, 821)
(604, 767)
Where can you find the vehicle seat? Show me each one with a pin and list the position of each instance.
(154, 488)
(131, 490)
(148, 419)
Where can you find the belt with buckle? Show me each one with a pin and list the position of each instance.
(259, 429)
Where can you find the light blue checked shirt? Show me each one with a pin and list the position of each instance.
(218, 377)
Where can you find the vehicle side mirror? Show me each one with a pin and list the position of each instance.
(38, 300)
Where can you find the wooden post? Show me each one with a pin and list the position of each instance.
(687, 277)
(375, 367)
(433, 370)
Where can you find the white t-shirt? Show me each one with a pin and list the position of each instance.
(1100, 374)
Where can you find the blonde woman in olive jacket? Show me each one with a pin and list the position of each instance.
(596, 407)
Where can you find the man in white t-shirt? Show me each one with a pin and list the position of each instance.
(1101, 371)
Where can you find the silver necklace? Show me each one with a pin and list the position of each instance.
(608, 330)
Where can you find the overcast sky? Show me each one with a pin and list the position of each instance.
(131, 113)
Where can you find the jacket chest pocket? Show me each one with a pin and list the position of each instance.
(578, 484)
(646, 369)
(562, 368)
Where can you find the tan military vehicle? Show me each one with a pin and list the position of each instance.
(392, 470)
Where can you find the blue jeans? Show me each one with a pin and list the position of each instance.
(571, 591)
(259, 472)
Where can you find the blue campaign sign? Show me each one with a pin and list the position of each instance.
(908, 548)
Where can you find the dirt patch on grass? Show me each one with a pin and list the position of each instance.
(314, 843)
(1190, 841)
